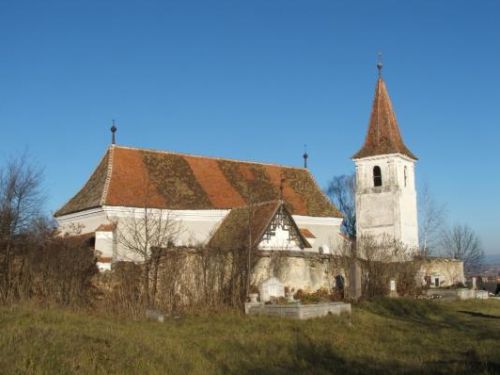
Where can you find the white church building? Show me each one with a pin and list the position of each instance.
(207, 196)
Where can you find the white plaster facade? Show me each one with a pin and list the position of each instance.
(390, 210)
(195, 228)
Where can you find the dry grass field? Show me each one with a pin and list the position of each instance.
(382, 337)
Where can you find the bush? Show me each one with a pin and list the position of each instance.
(50, 269)
(319, 296)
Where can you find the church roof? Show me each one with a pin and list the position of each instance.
(384, 136)
(134, 177)
(233, 233)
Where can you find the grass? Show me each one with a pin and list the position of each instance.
(387, 336)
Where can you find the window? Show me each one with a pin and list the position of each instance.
(377, 176)
(405, 175)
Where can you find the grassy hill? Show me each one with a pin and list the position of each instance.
(382, 337)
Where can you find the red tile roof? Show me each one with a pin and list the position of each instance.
(135, 177)
(384, 136)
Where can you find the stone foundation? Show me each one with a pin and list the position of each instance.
(297, 310)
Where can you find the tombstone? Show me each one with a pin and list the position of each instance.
(155, 315)
(474, 283)
(392, 288)
(482, 294)
(355, 281)
(271, 288)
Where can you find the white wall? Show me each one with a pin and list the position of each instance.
(325, 229)
(84, 222)
(195, 228)
(105, 243)
(389, 210)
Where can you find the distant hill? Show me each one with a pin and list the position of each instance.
(492, 259)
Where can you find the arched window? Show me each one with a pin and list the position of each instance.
(377, 176)
(405, 175)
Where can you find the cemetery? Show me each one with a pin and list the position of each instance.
(274, 303)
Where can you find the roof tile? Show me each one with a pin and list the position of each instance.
(157, 179)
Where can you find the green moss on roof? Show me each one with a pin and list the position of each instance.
(304, 185)
(255, 186)
(175, 181)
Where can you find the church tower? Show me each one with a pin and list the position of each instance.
(386, 199)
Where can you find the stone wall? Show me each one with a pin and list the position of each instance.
(189, 277)
(296, 270)
(447, 271)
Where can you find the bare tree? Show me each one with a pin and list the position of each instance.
(461, 242)
(21, 202)
(21, 198)
(145, 235)
(382, 260)
(432, 217)
(342, 192)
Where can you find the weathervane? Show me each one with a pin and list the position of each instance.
(113, 131)
(305, 156)
(380, 65)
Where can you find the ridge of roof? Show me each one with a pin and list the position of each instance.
(207, 157)
(383, 135)
(108, 177)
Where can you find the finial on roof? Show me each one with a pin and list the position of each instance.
(305, 156)
(113, 131)
(380, 65)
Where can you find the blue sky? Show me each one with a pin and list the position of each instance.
(257, 80)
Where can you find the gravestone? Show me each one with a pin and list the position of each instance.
(355, 281)
(271, 288)
(392, 288)
(474, 283)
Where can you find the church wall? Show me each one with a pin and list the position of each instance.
(85, 221)
(326, 232)
(193, 227)
(388, 210)
(104, 243)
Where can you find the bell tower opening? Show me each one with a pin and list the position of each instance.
(377, 176)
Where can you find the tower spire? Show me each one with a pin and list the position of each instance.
(113, 131)
(383, 136)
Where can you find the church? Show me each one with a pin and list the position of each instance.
(271, 208)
